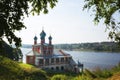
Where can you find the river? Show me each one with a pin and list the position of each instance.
(91, 60)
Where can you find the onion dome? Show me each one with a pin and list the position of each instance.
(50, 38)
(35, 38)
(42, 34)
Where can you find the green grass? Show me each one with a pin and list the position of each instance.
(12, 70)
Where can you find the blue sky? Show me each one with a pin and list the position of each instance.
(67, 23)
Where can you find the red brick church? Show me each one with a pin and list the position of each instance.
(44, 56)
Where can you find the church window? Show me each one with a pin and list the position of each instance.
(47, 61)
(41, 61)
(52, 68)
(62, 60)
(62, 68)
(52, 60)
(57, 68)
(57, 60)
(66, 59)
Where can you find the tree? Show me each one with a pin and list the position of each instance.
(12, 13)
(109, 12)
(7, 51)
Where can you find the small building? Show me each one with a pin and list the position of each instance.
(44, 56)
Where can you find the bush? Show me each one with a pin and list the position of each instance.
(59, 77)
(89, 73)
(103, 73)
(82, 77)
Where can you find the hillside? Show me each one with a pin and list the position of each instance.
(12, 70)
(9, 52)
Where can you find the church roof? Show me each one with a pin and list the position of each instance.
(60, 53)
(56, 53)
(30, 53)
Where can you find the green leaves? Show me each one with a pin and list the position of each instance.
(12, 14)
(106, 10)
(42, 5)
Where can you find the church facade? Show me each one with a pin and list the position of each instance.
(44, 56)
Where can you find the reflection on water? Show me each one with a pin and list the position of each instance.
(90, 59)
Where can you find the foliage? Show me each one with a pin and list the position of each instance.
(12, 70)
(7, 51)
(12, 13)
(116, 68)
(82, 77)
(59, 77)
(108, 11)
(89, 74)
(103, 73)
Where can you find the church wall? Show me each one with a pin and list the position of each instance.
(56, 67)
(30, 59)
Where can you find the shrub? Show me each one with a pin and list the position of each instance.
(59, 77)
(82, 77)
(89, 73)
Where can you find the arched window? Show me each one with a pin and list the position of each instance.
(52, 68)
(57, 68)
(57, 60)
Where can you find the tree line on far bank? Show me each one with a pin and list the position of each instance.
(96, 46)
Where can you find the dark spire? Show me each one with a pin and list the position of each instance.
(50, 38)
(35, 38)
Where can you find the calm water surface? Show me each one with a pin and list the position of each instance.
(90, 59)
(96, 59)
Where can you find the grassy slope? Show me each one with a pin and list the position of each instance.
(12, 70)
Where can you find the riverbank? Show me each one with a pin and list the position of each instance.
(92, 50)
